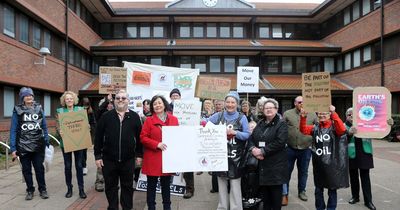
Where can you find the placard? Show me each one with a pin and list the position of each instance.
(75, 130)
(247, 79)
(202, 149)
(371, 110)
(111, 79)
(177, 187)
(212, 87)
(187, 111)
(316, 91)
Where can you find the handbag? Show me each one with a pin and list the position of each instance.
(251, 161)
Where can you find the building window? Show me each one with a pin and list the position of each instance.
(78, 8)
(366, 7)
(229, 64)
(184, 30)
(77, 60)
(263, 31)
(47, 39)
(377, 52)
(24, 29)
(71, 54)
(238, 30)
(272, 64)
(356, 10)
(356, 58)
(287, 64)
(211, 30)
(47, 104)
(339, 64)
(105, 30)
(9, 21)
(289, 31)
(301, 64)
(118, 30)
(225, 30)
(8, 101)
(315, 64)
(200, 63)
(347, 61)
(198, 30)
(346, 19)
(185, 62)
(158, 30)
(83, 61)
(329, 65)
(156, 61)
(244, 61)
(131, 30)
(367, 55)
(144, 30)
(276, 31)
(36, 35)
(215, 64)
(63, 50)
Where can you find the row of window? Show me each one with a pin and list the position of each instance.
(83, 13)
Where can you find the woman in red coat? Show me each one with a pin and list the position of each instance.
(151, 137)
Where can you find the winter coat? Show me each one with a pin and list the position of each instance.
(151, 136)
(271, 138)
(296, 139)
(360, 152)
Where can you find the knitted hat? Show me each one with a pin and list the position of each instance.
(233, 94)
(175, 90)
(25, 91)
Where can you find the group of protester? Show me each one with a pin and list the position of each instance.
(124, 139)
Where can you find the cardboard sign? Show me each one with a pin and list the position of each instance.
(177, 187)
(75, 130)
(371, 110)
(247, 79)
(316, 91)
(111, 79)
(187, 112)
(212, 87)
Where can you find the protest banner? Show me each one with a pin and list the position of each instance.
(247, 79)
(177, 187)
(187, 111)
(204, 149)
(371, 109)
(111, 79)
(316, 91)
(212, 87)
(75, 130)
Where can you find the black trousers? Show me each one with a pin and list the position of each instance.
(272, 197)
(365, 184)
(36, 159)
(189, 179)
(165, 191)
(121, 172)
(214, 182)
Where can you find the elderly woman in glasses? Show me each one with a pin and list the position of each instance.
(329, 128)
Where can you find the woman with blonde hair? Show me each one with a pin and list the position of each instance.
(68, 102)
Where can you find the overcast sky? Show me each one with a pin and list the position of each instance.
(290, 1)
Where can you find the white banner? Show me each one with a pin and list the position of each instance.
(247, 79)
(145, 81)
(187, 112)
(177, 186)
(194, 148)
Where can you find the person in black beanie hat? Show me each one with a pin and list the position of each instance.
(175, 94)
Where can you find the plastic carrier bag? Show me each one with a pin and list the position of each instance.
(48, 157)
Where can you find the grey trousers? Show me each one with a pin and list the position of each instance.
(231, 200)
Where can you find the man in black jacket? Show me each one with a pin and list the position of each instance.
(117, 143)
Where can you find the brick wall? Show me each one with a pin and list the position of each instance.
(366, 28)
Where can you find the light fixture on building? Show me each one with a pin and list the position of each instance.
(44, 51)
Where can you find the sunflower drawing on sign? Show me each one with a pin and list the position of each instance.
(141, 78)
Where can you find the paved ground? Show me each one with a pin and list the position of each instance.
(385, 186)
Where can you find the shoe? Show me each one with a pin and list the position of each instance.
(29, 196)
(69, 192)
(370, 205)
(85, 171)
(285, 200)
(251, 202)
(82, 194)
(303, 196)
(44, 194)
(199, 173)
(354, 200)
(188, 195)
(99, 186)
(213, 191)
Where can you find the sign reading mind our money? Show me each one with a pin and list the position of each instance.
(371, 110)
(75, 130)
(111, 79)
(316, 91)
(212, 87)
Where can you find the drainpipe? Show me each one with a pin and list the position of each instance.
(66, 45)
(382, 52)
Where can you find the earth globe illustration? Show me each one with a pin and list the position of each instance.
(367, 113)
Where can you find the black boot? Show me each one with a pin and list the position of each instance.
(69, 192)
(82, 194)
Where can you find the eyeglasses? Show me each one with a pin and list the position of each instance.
(120, 98)
(299, 102)
(323, 113)
(349, 115)
(269, 108)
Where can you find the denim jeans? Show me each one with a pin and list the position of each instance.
(78, 167)
(36, 159)
(320, 202)
(303, 160)
(165, 191)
